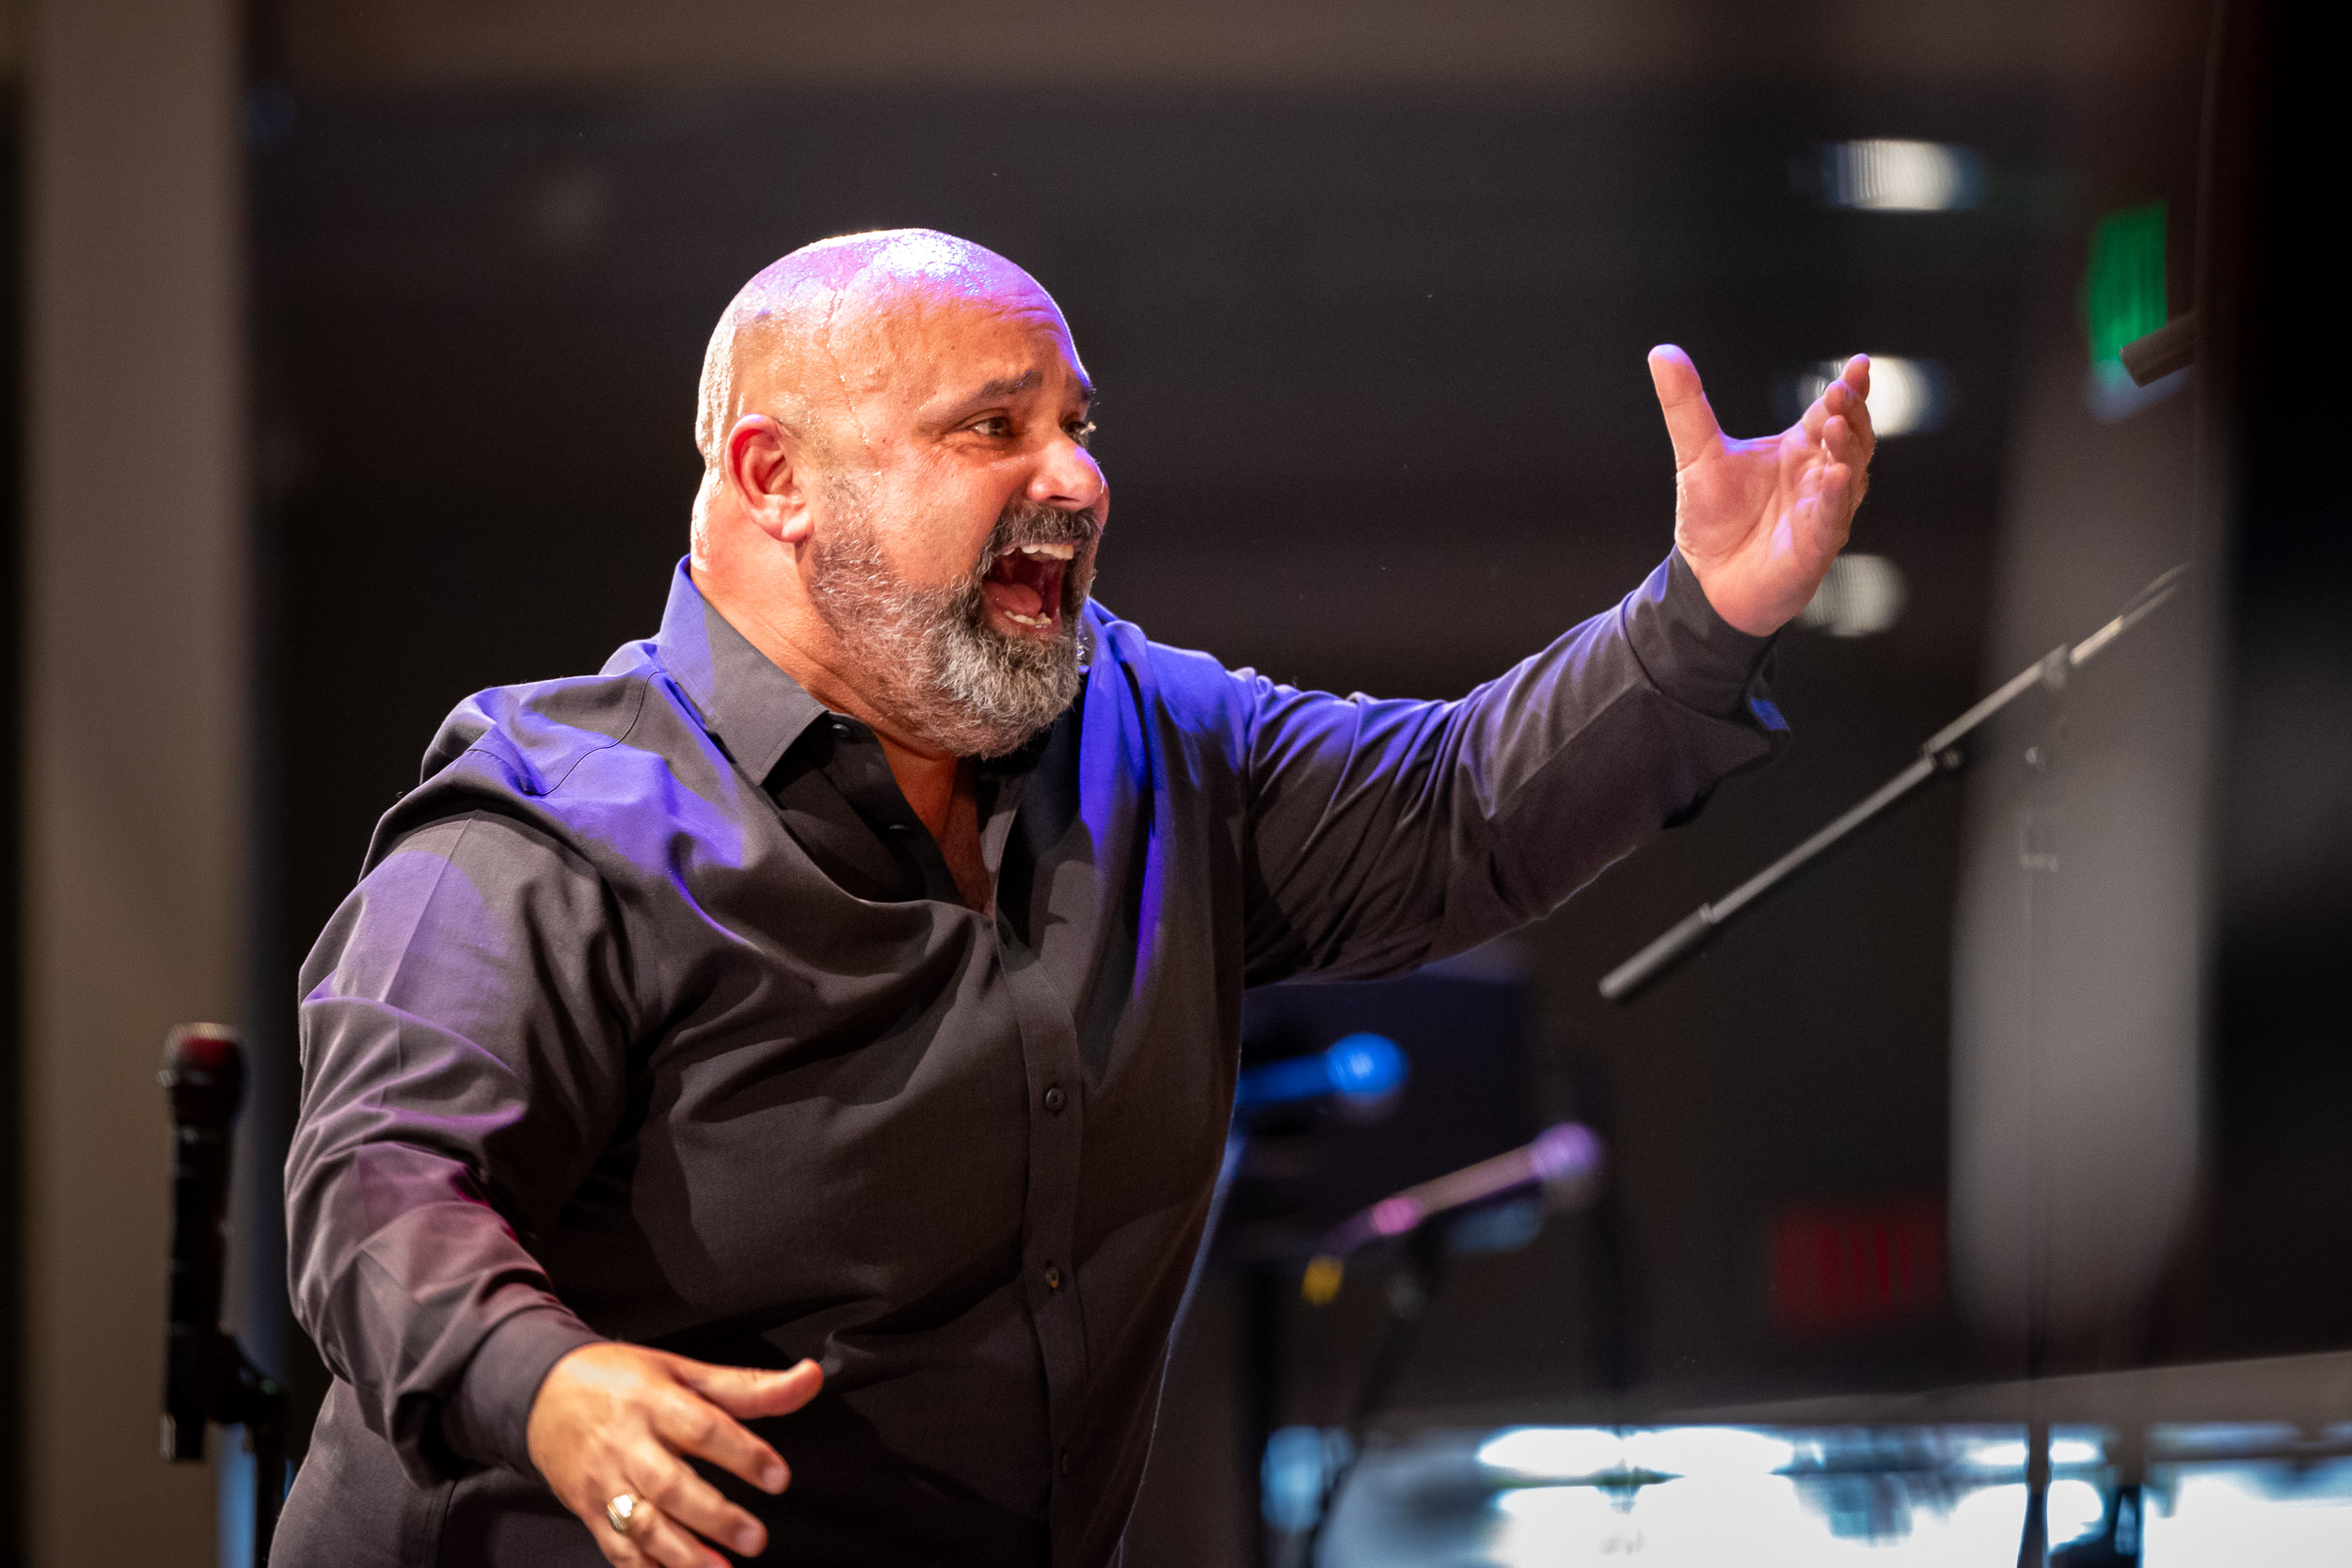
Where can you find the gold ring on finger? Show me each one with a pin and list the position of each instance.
(623, 1509)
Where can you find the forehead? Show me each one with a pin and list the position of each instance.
(925, 339)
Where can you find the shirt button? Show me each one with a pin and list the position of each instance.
(1065, 1462)
(1053, 1277)
(1056, 1099)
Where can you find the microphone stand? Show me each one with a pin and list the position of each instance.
(1941, 754)
(1411, 1291)
(1562, 1164)
(207, 1376)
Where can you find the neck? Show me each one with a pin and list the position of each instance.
(787, 628)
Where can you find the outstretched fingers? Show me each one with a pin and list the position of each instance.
(1856, 374)
(1812, 528)
(1847, 441)
(1831, 517)
(655, 1541)
(686, 1502)
(612, 1419)
(1845, 398)
(1681, 396)
(752, 1392)
(1849, 397)
(650, 1539)
(692, 1425)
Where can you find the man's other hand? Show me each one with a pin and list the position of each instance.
(1760, 521)
(612, 1419)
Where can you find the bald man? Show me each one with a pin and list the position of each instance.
(765, 1098)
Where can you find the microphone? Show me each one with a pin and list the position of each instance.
(1564, 1162)
(203, 1076)
(1364, 1072)
(2169, 348)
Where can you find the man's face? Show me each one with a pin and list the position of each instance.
(957, 529)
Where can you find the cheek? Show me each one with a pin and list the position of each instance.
(943, 520)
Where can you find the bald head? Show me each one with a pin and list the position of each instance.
(896, 485)
(820, 328)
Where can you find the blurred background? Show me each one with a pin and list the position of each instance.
(353, 349)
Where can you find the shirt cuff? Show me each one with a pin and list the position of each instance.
(489, 1419)
(1691, 654)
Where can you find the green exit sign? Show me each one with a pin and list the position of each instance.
(2123, 292)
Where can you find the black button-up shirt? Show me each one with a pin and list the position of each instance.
(656, 1016)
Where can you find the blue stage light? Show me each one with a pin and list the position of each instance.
(1363, 1065)
(1358, 1069)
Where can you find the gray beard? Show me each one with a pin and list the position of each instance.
(928, 658)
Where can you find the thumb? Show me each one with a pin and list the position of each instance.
(1690, 419)
(749, 1392)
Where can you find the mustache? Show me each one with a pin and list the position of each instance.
(1031, 523)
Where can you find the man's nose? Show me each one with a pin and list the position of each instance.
(1068, 477)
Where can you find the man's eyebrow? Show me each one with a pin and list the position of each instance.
(1013, 386)
(1004, 387)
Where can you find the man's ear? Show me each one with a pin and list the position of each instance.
(763, 471)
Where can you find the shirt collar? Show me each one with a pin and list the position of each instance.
(753, 707)
(748, 702)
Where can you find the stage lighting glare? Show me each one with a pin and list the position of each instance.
(1951, 1497)
(1709, 1453)
(1861, 595)
(1548, 1502)
(1553, 1453)
(1759, 1522)
(2065, 1453)
(2223, 1438)
(2303, 1515)
(1884, 175)
(2073, 1510)
(1295, 1473)
(1907, 396)
(1590, 1455)
(1996, 1456)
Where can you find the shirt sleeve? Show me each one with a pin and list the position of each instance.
(464, 1030)
(1383, 835)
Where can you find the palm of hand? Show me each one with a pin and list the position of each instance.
(1760, 521)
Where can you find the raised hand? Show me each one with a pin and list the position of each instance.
(614, 1418)
(1760, 521)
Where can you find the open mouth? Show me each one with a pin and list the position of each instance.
(1024, 584)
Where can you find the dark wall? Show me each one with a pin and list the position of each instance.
(2277, 1269)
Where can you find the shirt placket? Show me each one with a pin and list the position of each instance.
(1049, 1051)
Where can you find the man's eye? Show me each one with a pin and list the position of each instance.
(995, 424)
(1082, 431)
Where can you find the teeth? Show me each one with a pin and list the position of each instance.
(1030, 620)
(1049, 552)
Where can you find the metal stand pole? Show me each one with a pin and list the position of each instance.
(1942, 753)
(2034, 1550)
(1411, 1291)
(260, 1405)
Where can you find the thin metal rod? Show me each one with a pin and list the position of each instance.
(1940, 755)
(1410, 1295)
